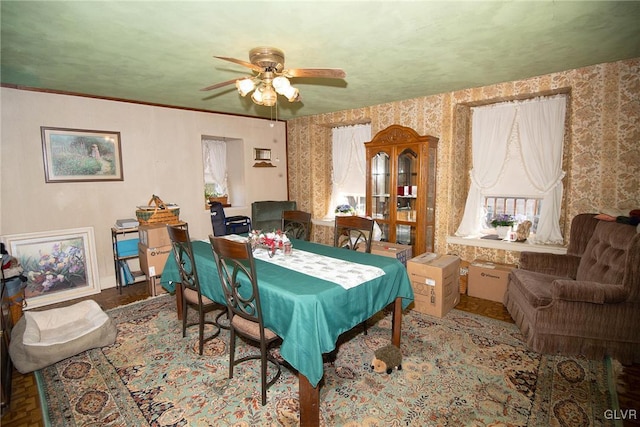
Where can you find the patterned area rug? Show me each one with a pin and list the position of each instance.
(461, 370)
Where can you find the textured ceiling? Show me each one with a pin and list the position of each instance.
(162, 52)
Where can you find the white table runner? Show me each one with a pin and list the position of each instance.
(344, 273)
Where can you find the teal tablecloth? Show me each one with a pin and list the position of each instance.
(309, 314)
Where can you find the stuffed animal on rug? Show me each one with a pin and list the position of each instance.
(386, 359)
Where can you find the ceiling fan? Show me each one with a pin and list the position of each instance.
(271, 77)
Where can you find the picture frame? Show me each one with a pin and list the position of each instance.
(262, 157)
(79, 155)
(59, 265)
(262, 154)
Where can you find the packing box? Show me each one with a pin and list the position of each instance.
(435, 282)
(488, 280)
(152, 260)
(154, 235)
(394, 250)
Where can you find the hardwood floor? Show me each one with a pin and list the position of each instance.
(24, 409)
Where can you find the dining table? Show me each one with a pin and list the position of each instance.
(309, 297)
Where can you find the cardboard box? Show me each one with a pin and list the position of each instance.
(488, 280)
(394, 250)
(152, 260)
(154, 235)
(435, 282)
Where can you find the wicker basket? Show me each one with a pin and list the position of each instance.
(159, 215)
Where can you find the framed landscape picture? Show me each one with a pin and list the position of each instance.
(81, 155)
(59, 265)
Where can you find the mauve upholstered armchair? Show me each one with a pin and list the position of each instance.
(586, 302)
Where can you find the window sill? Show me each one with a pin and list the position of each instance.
(323, 222)
(507, 246)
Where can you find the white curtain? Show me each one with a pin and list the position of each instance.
(540, 124)
(214, 153)
(541, 127)
(490, 136)
(349, 161)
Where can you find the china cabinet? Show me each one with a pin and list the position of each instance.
(401, 186)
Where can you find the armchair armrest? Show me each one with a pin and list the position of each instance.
(584, 291)
(554, 264)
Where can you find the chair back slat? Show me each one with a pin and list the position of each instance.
(353, 232)
(296, 224)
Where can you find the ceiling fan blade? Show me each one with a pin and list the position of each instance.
(217, 85)
(329, 73)
(243, 63)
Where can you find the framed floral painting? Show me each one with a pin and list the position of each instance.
(59, 265)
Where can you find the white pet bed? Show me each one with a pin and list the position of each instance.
(41, 338)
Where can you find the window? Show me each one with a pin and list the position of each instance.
(349, 167)
(517, 166)
(521, 208)
(223, 167)
(214, 155)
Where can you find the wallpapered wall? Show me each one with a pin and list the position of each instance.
(602, 158)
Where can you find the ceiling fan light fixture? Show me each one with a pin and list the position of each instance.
(280, 84)
(291, 93)
(257, 96)
(245, 86)
(269, 96)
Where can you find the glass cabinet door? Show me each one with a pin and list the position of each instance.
(380, 183)
(430, 222)
(407, 183)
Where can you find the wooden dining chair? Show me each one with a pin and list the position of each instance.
(190, 285)
(353, 232)
(296, 224)
(237, 270)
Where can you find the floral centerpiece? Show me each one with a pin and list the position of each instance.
(274, 240)
(345, 210)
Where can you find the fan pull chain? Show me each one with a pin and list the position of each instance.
(272, 122)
